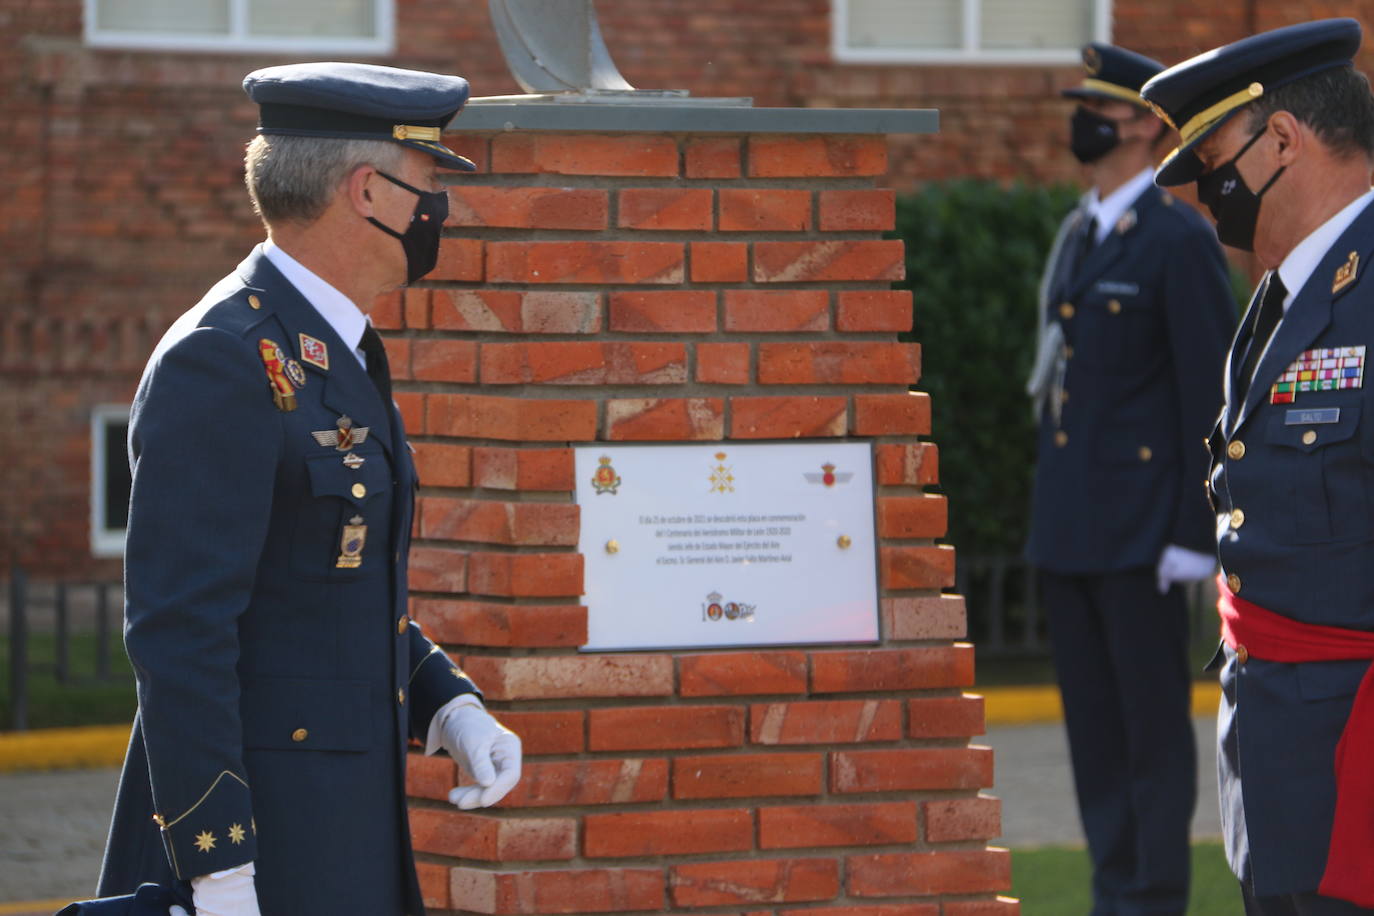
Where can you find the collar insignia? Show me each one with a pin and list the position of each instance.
(1345, 274)
(1126, 223)
(314, 352)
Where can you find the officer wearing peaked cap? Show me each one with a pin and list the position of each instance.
(279, 677)
(1135, 318)
(1278, 132)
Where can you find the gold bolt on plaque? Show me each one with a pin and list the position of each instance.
(613, 546)
(844, 541)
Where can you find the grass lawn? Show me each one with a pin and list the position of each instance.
(81, 701)
(1053, 881)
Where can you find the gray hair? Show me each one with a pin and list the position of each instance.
(293, 179)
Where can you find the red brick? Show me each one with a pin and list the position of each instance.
(913, 516)
(547, 732)
(741, 673)
(479, 416)
(460, 260)
(723, 363)
(868, 210)
(527, 208)
(874, 310)
(587, 783)
(877, 824)
(828, 262)
(430, 777)
(433, 884)
(894, 909)
(929, 617)
(509, 311)
(816, 157)
(777, 310)
(916, 567)
(863, 670)
(441, 465)
(667, 833)
(445, 360)
(746, 775)
(712, 157)
(687, 209)
(892, 414)
(917, 874)
(839, 363)
(911, 769)
(1001, 906)
(525, 575)
(758, 210)
(619, 155)
(523, 469)
(910, 464)
(754, 881)
(787, 418)
(584, 262)
(571, 676)
(676, 419)
(413, 408)
(486, 623)
(583, 890)
(438, 569)
(945, 717)
(825, 722)
(387, 311)
(416, 306)
(474, 146)
(398, 357)
(584, 363)
(643, 728)
(719, 262)
(463, 835)
(678, 311)
(955, 819)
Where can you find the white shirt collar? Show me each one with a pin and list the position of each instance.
(347, 320)
(1297, 268)
(1108, 212)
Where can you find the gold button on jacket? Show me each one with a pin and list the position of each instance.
(300, 734)
(1233, 583)
(1237, 518)
(1236, 450)
(1066, 310)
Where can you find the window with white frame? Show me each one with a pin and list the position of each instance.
(302, 26)
(110, 480)
(967, 31)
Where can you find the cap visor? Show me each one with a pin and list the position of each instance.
(446, 157)
(1079, 92)
(1183, 165)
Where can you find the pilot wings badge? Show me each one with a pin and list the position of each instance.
(344, 438)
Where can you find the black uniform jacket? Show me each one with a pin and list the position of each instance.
(279, 677)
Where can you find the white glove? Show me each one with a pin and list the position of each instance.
(223, 893)
(1179, 564)
(486, 749)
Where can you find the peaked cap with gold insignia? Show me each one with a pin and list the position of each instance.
(1113, 73)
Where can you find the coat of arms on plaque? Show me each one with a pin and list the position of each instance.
(828, 476)
(722, 479)
(605, 479)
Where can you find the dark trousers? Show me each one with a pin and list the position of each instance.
(1121, 653)
(1298, 905)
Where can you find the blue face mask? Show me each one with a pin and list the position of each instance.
(420, 241)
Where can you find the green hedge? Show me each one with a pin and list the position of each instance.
(974, 254)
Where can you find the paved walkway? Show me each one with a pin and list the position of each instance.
(55, 822)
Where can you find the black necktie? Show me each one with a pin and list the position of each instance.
(1086, 243)
(1266, 319)
(377, 367)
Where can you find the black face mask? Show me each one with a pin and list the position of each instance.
(420, 241)
(1092, 136)
(1234, 206)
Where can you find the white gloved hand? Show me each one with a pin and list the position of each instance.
(486, 749)
(223, 893)
(1179, 564)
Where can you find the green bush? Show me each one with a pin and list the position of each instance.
(974, 255)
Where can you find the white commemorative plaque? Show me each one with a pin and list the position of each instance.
(727, 545)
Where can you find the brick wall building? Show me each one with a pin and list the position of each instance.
(124, 198)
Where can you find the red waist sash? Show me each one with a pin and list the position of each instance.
(1273, 637)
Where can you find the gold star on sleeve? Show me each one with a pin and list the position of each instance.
(236, 834)
(205, 841)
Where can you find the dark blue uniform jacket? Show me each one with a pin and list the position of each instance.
(1146, 320)
(1293, 485)
(277, 686)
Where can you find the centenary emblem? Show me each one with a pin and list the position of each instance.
(605, 479)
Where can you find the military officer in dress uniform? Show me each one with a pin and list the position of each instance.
(279, 678)
(1278, 132)
(1135, 318)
